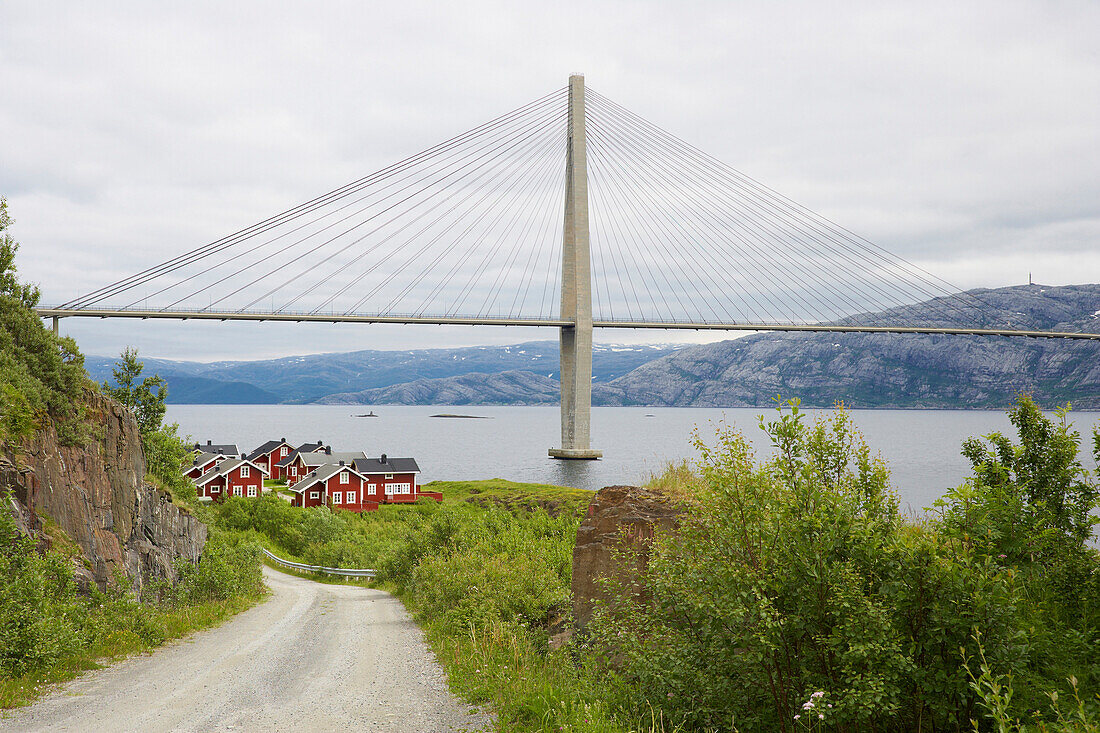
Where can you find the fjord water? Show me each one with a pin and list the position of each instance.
(921, 447)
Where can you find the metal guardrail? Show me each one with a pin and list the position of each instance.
(345, 572)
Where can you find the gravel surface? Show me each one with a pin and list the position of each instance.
(312, 657)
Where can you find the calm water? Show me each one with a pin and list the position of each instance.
(920, 446)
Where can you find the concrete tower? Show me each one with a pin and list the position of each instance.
(576, 292)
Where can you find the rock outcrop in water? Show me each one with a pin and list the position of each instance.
(97, 494)
(619, 518)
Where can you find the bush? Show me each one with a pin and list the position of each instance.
(41, 616)
(798, 575)
(230, 567)
(165, 452)
(469, 590)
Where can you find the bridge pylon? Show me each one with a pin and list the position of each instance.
(576, 291)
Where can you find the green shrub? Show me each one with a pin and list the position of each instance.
(798, 575)
(41, 616)
(229, 568)
(468, 589)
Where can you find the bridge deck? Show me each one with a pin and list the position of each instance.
(211, 315)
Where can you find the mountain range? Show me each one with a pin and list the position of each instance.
(314, 377)
(862, 370)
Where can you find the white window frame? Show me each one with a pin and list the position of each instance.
(252, 491)
(215, 490)
(238, 491)
(293, 470)
(337, 497)
(345, 477)
(244, 472)
(315, 495)
(282, 451)
(389, 475)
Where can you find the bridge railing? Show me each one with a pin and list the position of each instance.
(345, 572)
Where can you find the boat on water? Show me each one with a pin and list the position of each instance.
(369, 414)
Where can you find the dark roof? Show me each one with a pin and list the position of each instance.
(323, 473)
(229, 449)
(323, 458)
(392, 465)
(266, 448)
(304, 448)
(204, 459)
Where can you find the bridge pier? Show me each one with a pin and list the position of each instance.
(576, 292)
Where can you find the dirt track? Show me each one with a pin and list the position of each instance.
(312, 657)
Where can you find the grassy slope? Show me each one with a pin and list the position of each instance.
(511, 495)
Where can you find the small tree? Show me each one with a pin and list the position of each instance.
(26, 294)
(1027, 503)
(146, 398)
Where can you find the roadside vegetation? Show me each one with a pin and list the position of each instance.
(793, 597)
(50, 629)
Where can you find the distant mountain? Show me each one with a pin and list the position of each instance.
(506, 388)
(186, 390)
(890, 370)
(299, 379)
(862, 370)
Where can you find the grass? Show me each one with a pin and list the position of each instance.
(175, 623)
(511, 495)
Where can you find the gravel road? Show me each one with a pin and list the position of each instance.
(312, 657)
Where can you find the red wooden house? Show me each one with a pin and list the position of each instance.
(234, 477)
(290, 468)
(338, 486)
(268, 455)
(306, 462)
(393, 480)
(203, 463)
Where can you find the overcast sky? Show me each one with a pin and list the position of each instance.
(962, 136)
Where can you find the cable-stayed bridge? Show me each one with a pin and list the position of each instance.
(569, 212)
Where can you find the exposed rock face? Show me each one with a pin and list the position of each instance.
(890, 370)
(98, 496)
(619, 518)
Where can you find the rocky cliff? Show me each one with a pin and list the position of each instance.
(97, 494)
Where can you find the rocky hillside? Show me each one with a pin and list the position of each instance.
(506, 388)
(97, 494)
(890, 370)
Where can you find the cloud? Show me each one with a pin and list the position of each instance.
(960, 136)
